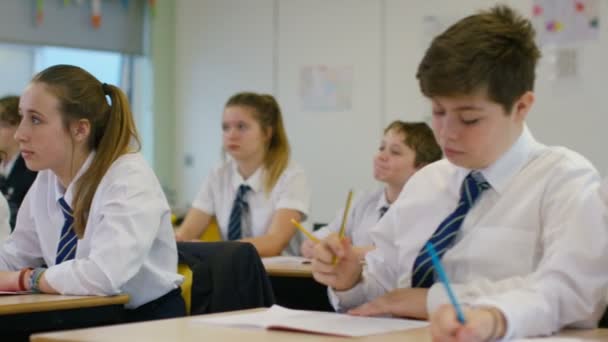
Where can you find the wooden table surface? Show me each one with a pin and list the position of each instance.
(187, 329)
(297, 270)
(28, 303)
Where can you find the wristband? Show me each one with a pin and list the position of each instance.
(35, 279)
(21, 283)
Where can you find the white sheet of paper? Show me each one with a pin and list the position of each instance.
(328, 323)
(285, 260)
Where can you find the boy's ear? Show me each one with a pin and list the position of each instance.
(523, 105)
(81, 130)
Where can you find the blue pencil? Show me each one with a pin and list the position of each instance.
(444, 279)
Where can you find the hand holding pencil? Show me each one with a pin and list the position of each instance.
(335, 262)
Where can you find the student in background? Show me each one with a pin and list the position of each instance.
(259, 189)
(96, 215)
(15, 178)
(405, 148)
(5, 228)
(518, 225)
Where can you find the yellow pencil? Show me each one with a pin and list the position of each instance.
(344, 216)
(304, 231)
(346, 208)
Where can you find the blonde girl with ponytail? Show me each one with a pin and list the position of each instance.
(259, 189)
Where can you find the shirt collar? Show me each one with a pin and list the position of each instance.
(254, 181)
(499, 173)
(68, 194)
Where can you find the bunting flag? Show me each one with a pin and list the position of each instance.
(125, 3)
(96, 13)
(66, 3)
(152, 4)
(39, 12)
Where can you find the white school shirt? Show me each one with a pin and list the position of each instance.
(218, 191)
(128, 246)
(364, 214)
(5, 214)
(535, 245)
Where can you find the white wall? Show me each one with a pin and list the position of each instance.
(16, 68)
(222, 47)
(227, 46)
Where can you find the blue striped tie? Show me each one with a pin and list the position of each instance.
(443, 238)
(66, 249)
(236, 215)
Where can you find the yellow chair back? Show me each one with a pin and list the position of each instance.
(212, 233)
(186, 286)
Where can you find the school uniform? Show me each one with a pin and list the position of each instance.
(365, 212)
(5, 228)
(128, 245)
(534, 245)
(15, 181)
(219, 190)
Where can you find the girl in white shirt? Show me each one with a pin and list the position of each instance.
(405, 148)
(256, 193)
(96, 214)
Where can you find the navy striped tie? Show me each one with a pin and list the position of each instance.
(236, 215)
(443, 237)
(66, 249)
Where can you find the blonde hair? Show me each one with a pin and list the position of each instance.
(267, 113)
(82, 96)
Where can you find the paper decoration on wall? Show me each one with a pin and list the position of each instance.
(561, 63)
(324, 88)
(96, 13)
(563, 22)
(39, 12)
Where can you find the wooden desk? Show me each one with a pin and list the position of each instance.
(18, 304)
(296, 270)
(22, 315)
(187, 330)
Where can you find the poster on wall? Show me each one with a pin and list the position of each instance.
(566, 22)
(325, 88)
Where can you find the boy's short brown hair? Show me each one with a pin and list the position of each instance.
(419, 137)
(493, 51)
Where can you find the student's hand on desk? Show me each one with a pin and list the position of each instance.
(482, 324)
(345, 272)
(307, 248)
(408, 302)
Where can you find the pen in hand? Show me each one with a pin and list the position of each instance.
(443, 277)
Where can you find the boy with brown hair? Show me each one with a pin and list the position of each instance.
(518, 225)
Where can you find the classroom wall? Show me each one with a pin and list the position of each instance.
(226, 46)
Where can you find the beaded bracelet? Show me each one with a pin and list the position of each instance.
(35, 279)
(21, 284)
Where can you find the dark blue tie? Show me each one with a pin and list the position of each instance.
(66, 249)
(443, 237)
(383, 210)
(239, 207)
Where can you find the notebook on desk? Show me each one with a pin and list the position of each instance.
(326, 323)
